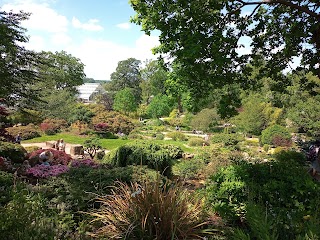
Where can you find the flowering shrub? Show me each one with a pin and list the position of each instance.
(59, 157)
(42, 171)
(101, 127)
(84, 163)
(52, 126)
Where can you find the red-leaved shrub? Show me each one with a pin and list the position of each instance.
(59, 157)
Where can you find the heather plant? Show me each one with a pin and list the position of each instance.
(42, 171)
(84, 163)
(149, 211)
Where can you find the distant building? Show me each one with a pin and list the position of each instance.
(88, 91)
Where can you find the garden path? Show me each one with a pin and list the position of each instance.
(44, 146)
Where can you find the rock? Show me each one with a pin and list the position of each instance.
(76, 150)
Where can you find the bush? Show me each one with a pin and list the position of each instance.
(151, 209)
(53, 126)
(59, 157)
(196, 142)
(27, 132)
(188, 169)
(276, 135)
(15, 152)
(113, 122)
(205, 119)
(227, 139)
(31, 149)
(6, 183)
(158, 157)
(42, 171)
(159, 136)
(283, 187)
(177, 136)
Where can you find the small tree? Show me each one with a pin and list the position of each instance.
(159, 106)
(91, 146)
(125, 101)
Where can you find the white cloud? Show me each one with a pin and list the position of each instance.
(42, 17)
(36, 43)
(101, 57)
(125, 26)
(60, 39)
(91, 25)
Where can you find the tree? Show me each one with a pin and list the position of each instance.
(92, 146)
(17, 64)
(159, 106)
(63, 71)
(206, 35)
(153, 80)
(125, 101)
(127, 75)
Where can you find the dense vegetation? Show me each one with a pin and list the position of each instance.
(214, 145)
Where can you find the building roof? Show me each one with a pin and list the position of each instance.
(87, 89)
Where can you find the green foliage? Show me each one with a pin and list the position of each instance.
(125, 101)
(18, 66)
(159, 106)
(195, 142)
(27, 216)
(6, 183)
(269, 135)
(15, 152)
(283, 187)
(27, 132)
(127, 75)
(177, 136)
(205, 119)
(82, 114)
(304, 115)
(188, 169)
(155, 156)
(26, 116)
(227, 139)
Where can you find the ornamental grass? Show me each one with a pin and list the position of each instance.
(148, 211)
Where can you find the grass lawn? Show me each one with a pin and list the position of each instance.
(108, 144)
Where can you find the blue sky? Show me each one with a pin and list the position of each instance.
(98, 32)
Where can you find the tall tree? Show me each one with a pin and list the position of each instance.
(127, 75)
(153, 80)
(205, 35)
(17, 64)
(63, 71)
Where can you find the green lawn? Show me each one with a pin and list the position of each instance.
(108, 144)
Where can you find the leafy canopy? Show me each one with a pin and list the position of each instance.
(205, 35)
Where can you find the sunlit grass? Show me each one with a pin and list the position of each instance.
(108, 144)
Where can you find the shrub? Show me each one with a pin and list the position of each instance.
(196, 142)
(6, 183)
(84, 163)
(177, 136)
(158, 157)
(227, 139)
(15, 152)
(114, 122)
(146, 212)
(80, 127)
(159, 136)
(27, 132)
(53, 126)
(31, 149)
(276, 134)
(59, 157)
(42, 171)
(284, 187)
(188, 168)
(205, 119)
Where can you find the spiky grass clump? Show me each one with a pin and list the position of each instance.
(148, 211)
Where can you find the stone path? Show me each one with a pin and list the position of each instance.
(44, 146)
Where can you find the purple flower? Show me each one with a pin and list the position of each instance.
(42, 171)
(84, 163)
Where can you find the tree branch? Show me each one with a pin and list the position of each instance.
(283, 2)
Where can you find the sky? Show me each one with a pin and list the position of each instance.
(98, 32)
